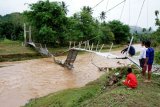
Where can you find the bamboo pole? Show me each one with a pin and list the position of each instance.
(25, 42)
(70, 44)
(111, 47)
(97, 46)
(92, 47)
(30, 38)
(74, 44)
(85, 45)
(88, 45)
(101, 48)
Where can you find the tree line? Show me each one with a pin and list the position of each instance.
(51, 25)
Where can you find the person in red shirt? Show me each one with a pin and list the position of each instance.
(131, 80)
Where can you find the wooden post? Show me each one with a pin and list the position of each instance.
(111, 47)
(79, 44)
(88, 45)
(74, 44)
(40, 45)
(101, 48)
(30, 39)
(85, 45)
(25, 42)
(97, 46)
(70, 44)
(92, 47)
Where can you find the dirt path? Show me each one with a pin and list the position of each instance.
(23, 80)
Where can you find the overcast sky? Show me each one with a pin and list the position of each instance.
(147, 18)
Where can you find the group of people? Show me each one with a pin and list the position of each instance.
(146, 59)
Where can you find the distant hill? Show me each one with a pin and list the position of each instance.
(139, 30)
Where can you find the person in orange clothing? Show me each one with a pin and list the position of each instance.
(131, 80)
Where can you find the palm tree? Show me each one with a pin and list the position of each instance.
(150, 29)
(157, 19)
(144, 30)
(64, 6)
(157, 13)
(102, 15)
(87, 9)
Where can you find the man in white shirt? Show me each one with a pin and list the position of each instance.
(142, 57)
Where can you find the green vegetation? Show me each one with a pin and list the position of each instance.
(51, 26)
(99, 94)
(11, 26)
(14, 51)
(157, 57)
(13, 47)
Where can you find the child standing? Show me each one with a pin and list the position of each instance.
(142, 58)
(149, 60)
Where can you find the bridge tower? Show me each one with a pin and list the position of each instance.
(27, 35)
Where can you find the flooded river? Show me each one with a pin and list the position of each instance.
(23, 80)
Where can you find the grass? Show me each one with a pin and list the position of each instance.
(14, 51)
(97, 94)
(8, 47)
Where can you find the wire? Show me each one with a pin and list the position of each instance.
(140, 12)
(147, 12)
(122, 11)
(115, 6)
(129, 12)
(107, 5)
(97, 4)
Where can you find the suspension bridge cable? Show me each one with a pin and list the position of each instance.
(140, 12)
(147, 12)
(122, 10)
(97, 4)
(107, 5)
(115, 6)
(129, 13)
(106, 12)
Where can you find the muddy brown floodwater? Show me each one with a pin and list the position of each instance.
(23, 80)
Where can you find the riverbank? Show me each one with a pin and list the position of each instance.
(15, 51)
(98, 94)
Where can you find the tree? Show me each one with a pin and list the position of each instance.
(157, 13)
(144, 30)
(106, 35)
(11, 26)
(157, 19)
(64, 6)
(102, 15)
(48, 17)
(150, 29)
(120, 31)
(87, 9)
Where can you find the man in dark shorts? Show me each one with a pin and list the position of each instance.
(149, 60)
(142, 58)
(131, 50)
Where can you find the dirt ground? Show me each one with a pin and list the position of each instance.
(23, 80)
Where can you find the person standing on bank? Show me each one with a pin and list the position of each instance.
(149, 60)
(142, 58)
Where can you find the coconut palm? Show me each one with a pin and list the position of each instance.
(64, 6)
(150, 29)
(102, 15)
(157, 13)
